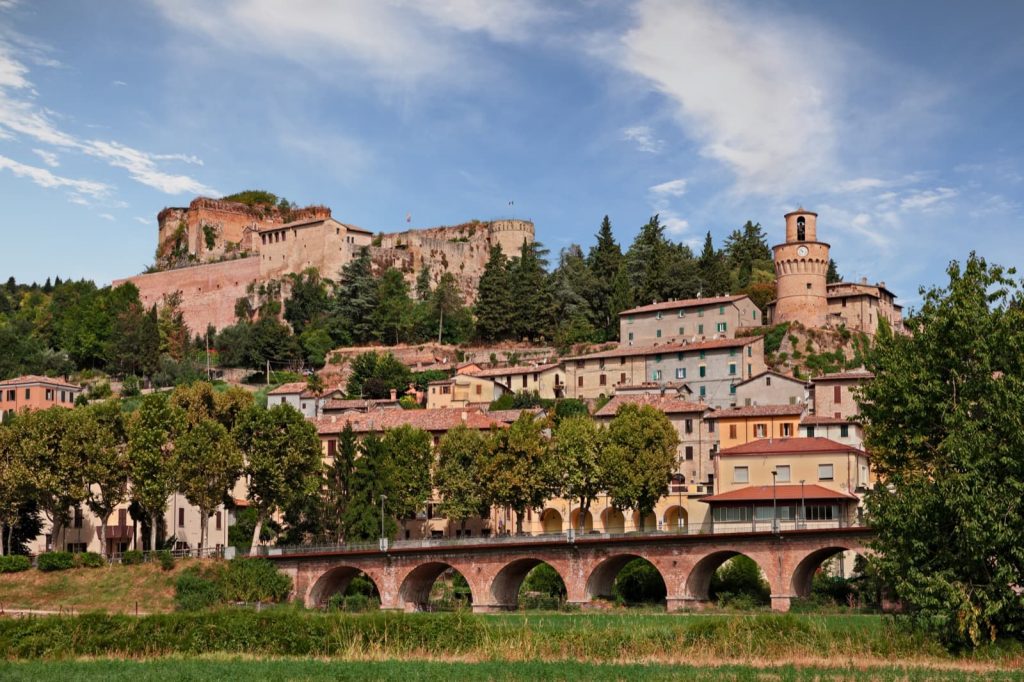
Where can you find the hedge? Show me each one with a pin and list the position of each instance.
(55, 561)
(14, 564)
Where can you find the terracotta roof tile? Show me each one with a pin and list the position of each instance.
(760, 411)
(764, 493)
(443, 419)
(683, 303)
(509, 416)
(38, 379)
(289, 388)
(666, 404)
(789, 446)
(518, 369)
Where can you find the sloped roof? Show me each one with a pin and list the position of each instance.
(786, 492)
(852, 375)
(518, 369)
(789, 446)
(289, 388)
(664, 403)
(683, 303)
(630, 351)
(38, 379)
(437, 420)
(785, 377)
(760, 411)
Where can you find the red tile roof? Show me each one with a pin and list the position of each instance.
(823, 420)
(664, 403)
(356, 404)
(787, 492)
(629, 351)
(856, 374)
(518, 369)
(289, 388)
(509, 416)
(683, 303)
(759, 411)
(37, 379)
(789, 446)
(438, 420)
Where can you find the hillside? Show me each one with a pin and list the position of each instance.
(791, 348)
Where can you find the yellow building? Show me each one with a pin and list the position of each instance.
(463, 390)
(739, 425)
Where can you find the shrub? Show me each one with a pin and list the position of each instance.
(166, 559)
(55, 561)
(543, 580)
(195, 590)
(639, 582)
(737, 578)
(130, 386)
(254, 580)
(89, 560)
(353, 603)
(99, 390)
(132, 557)
(14, 564)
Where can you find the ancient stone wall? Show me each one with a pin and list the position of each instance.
(208, 291)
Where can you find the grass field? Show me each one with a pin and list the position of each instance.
(114, 589)
(435, 671)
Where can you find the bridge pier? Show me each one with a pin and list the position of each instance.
(781, 602)
(675, 604)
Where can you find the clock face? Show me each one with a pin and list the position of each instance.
(802, 251)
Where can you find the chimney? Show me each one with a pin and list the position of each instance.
(394, 394)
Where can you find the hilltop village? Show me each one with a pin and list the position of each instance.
(755, 444)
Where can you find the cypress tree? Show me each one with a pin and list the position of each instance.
(532, 293)
(371, 478)
(714, 278)
(609, 294)
(494, 299)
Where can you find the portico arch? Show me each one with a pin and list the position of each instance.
(414, 593)
(551, 521)
(508, 581)
(334, 581)
(650, 522)
(613, 521)
(587, 525)
(676, 519)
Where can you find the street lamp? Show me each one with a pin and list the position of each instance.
(803, 506)
(775, 508)
(383, 540)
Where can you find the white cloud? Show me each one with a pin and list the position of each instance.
(928, 199)
(21, 116)
(119, 83)
(674, 224)
(644, 138)
(45, 178)
(744, 86)
(49, 158)
(860, 184)
(672, 188)
(399, 41)
(143, 221)
(107, 216)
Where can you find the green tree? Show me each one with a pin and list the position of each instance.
(410, 453)
(208, 463)
(714, 277)
(576, 456)
(57, 478)
(95, 437)
(534, 308)
(448, 318)
(15, 484)
(337, 489)
(638, 458)
(282, 460)
(573, 285)
(308, 300)
(610, 293)
(832, 276)
(649, 264)
(942, 421)
(172, 328)
(372, 478)
(392, 319)
(315, 385)
(423, 284)
(748, 257)
(355, 299)
(517, 473)
(460, 454)
(494, 299)
(152, 430)
(375, 374)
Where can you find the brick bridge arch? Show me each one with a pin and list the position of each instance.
(495, 568)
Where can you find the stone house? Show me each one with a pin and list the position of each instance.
(32, 392)
(693, 319)
(741, 425)
(772, 388)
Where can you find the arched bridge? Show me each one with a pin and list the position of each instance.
(496, 567)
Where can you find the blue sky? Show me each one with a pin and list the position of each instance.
(899, 123)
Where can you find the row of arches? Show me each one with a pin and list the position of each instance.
(503, 590)
(613, 521)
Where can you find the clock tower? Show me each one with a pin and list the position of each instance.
(801, 265)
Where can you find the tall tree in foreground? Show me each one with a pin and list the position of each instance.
(96, 438)
(494, 299)
(610, 293)
(517, 471)
(638, 458)
(209, 463)
(371, 478)
(338, 485)
(576, 452)
(282, 460)
(151, 433)
(457, 478)
(409, 453)
(943, 423)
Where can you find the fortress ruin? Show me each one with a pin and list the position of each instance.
(213, 250)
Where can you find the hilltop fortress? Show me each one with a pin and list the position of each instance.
(213, 250)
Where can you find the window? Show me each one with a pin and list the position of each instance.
(732, 430)
(837, 394)
(580, 364)
(700, 328)
(732, 389)
(702, 355)
(740, 475)
(10, 394)
(689, 453)
(700, 313)
(750, 370)
(787, 430)
(732, 369)
(217, 518)
(680, 372)
(782, 473)
(622, 360)
(682, 313)
(181, 517)
(703, 391)
(801, 229)
(720, 327)
(657, 357)
(332, 447)
(622, 378)
(825, 472)
(711, 426)
(79, 517)
(760, 430)
(49, 394)
(657, 334)
(657, 315)
(822, 512)
(524, 381)
(721, 310)
(688, 426)
(810, 431)
(750, 351)
(656, 375)
(479, 389)
(768, 381)
(28, 393)
(702, 370)
(681, 330)
(602, 380)
(754, 315)
(579, 382)
(808, 285)
(844, 430)
(732, 352)
(732, 514)
(631, 336)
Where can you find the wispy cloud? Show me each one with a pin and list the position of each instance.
(107, 216)
(49, 158)
(45, 178)
(672, 188)
(143, 221)
(644, 139)
(929, 199)
(674, 224)
(142, 168)
(119, 83)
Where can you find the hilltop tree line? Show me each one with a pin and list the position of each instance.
(200, 443)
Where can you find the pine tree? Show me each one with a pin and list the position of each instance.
(607, 297)
(713, 274)
(449, 317)
(392, 319)
(423, 284)
(354, 301)
(832, 276)
(494, 299)
(648, 264)
(371, 479)
(532, 294)
(338, 486)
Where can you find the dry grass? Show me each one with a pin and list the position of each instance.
(114, 589)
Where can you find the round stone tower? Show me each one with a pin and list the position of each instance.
(801, 266)
(509, 234)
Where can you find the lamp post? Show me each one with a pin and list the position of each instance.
(775, 508)
(803, 506)
(383, 540)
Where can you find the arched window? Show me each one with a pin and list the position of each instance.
(800, 229)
